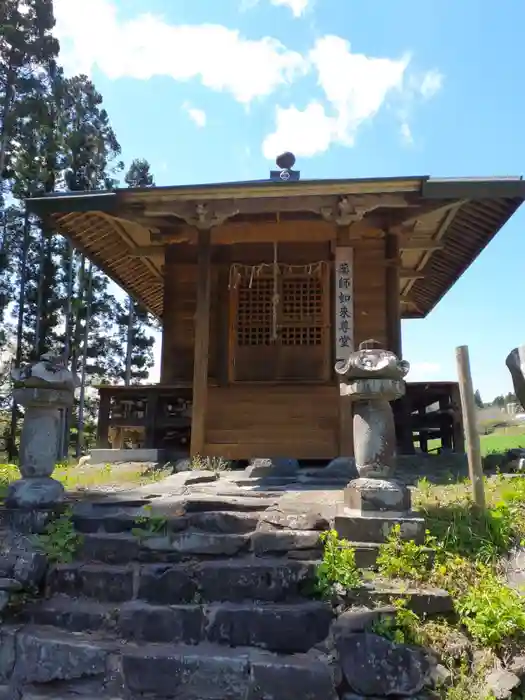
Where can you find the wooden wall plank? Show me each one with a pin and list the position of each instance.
(246, 421)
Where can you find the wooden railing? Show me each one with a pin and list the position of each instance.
(159, 416)
(430, 411)
(147, 416)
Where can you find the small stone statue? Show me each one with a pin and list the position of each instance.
(42, 388)
(373, 377)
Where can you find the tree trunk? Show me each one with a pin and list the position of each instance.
(80, 429)
(129, 346)
(64, 448)
(19, 329)
(40, 295)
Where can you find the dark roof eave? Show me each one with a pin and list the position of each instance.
(474, 188)
(431, 188)
(58, 202)
(65, 203)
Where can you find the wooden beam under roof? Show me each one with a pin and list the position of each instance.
(407, 274)
(423, 244)
(146, 251)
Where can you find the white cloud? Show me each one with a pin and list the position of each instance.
(198, 116)
(431, 83)
(298, 7)
(356, 86)
(146, 46)
(304, 132)
(406, 133)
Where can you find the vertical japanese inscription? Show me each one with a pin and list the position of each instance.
(344, 303)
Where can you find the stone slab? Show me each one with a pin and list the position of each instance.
(284, 628)
(58, 665)
(266, 467)
(46, 655)
(186, 672)
(377, 495)
(218, 673)
(110, 456)
(195, 543)
(279, 627)
(105, 583)
(272, 679)
(141, 622)
(263, 542)
(422, 601)
(376, 527)
(262, 579)
(72, 614)
(374, 666)
(234, 580)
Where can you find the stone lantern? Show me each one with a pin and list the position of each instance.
(43, 389)
(373, 377)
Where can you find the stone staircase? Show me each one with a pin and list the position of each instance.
(210, 608)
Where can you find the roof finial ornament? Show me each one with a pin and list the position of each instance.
(285, 162)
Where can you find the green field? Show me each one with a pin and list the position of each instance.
(503, 440)
(500, 440)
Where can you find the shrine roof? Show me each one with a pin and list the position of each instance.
(453, 219)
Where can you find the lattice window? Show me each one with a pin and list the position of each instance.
(299, 312)
(254, 312)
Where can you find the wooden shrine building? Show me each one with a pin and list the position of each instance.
(262, 285)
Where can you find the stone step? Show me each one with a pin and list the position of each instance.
(424, 601)
(376, 527)
(124, 547)
(65, 691)
(46, 657)
(234, 580)
(279, 627)
(218, 673)
(38, 694)
(113, 520)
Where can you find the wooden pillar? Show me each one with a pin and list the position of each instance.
(468, 407)
(393, 304)
(151, 420)
(202, 344)
(405, 437)
(223, 320)
(423, 431)
(445, 424)
(104, 407)
(457, 428)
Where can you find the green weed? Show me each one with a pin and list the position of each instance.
(149, 525)
(60, 541)
(399, 558)
(338, 565)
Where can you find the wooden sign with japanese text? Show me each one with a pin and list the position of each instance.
(344, 303)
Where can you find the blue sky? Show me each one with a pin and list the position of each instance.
(210, 90)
